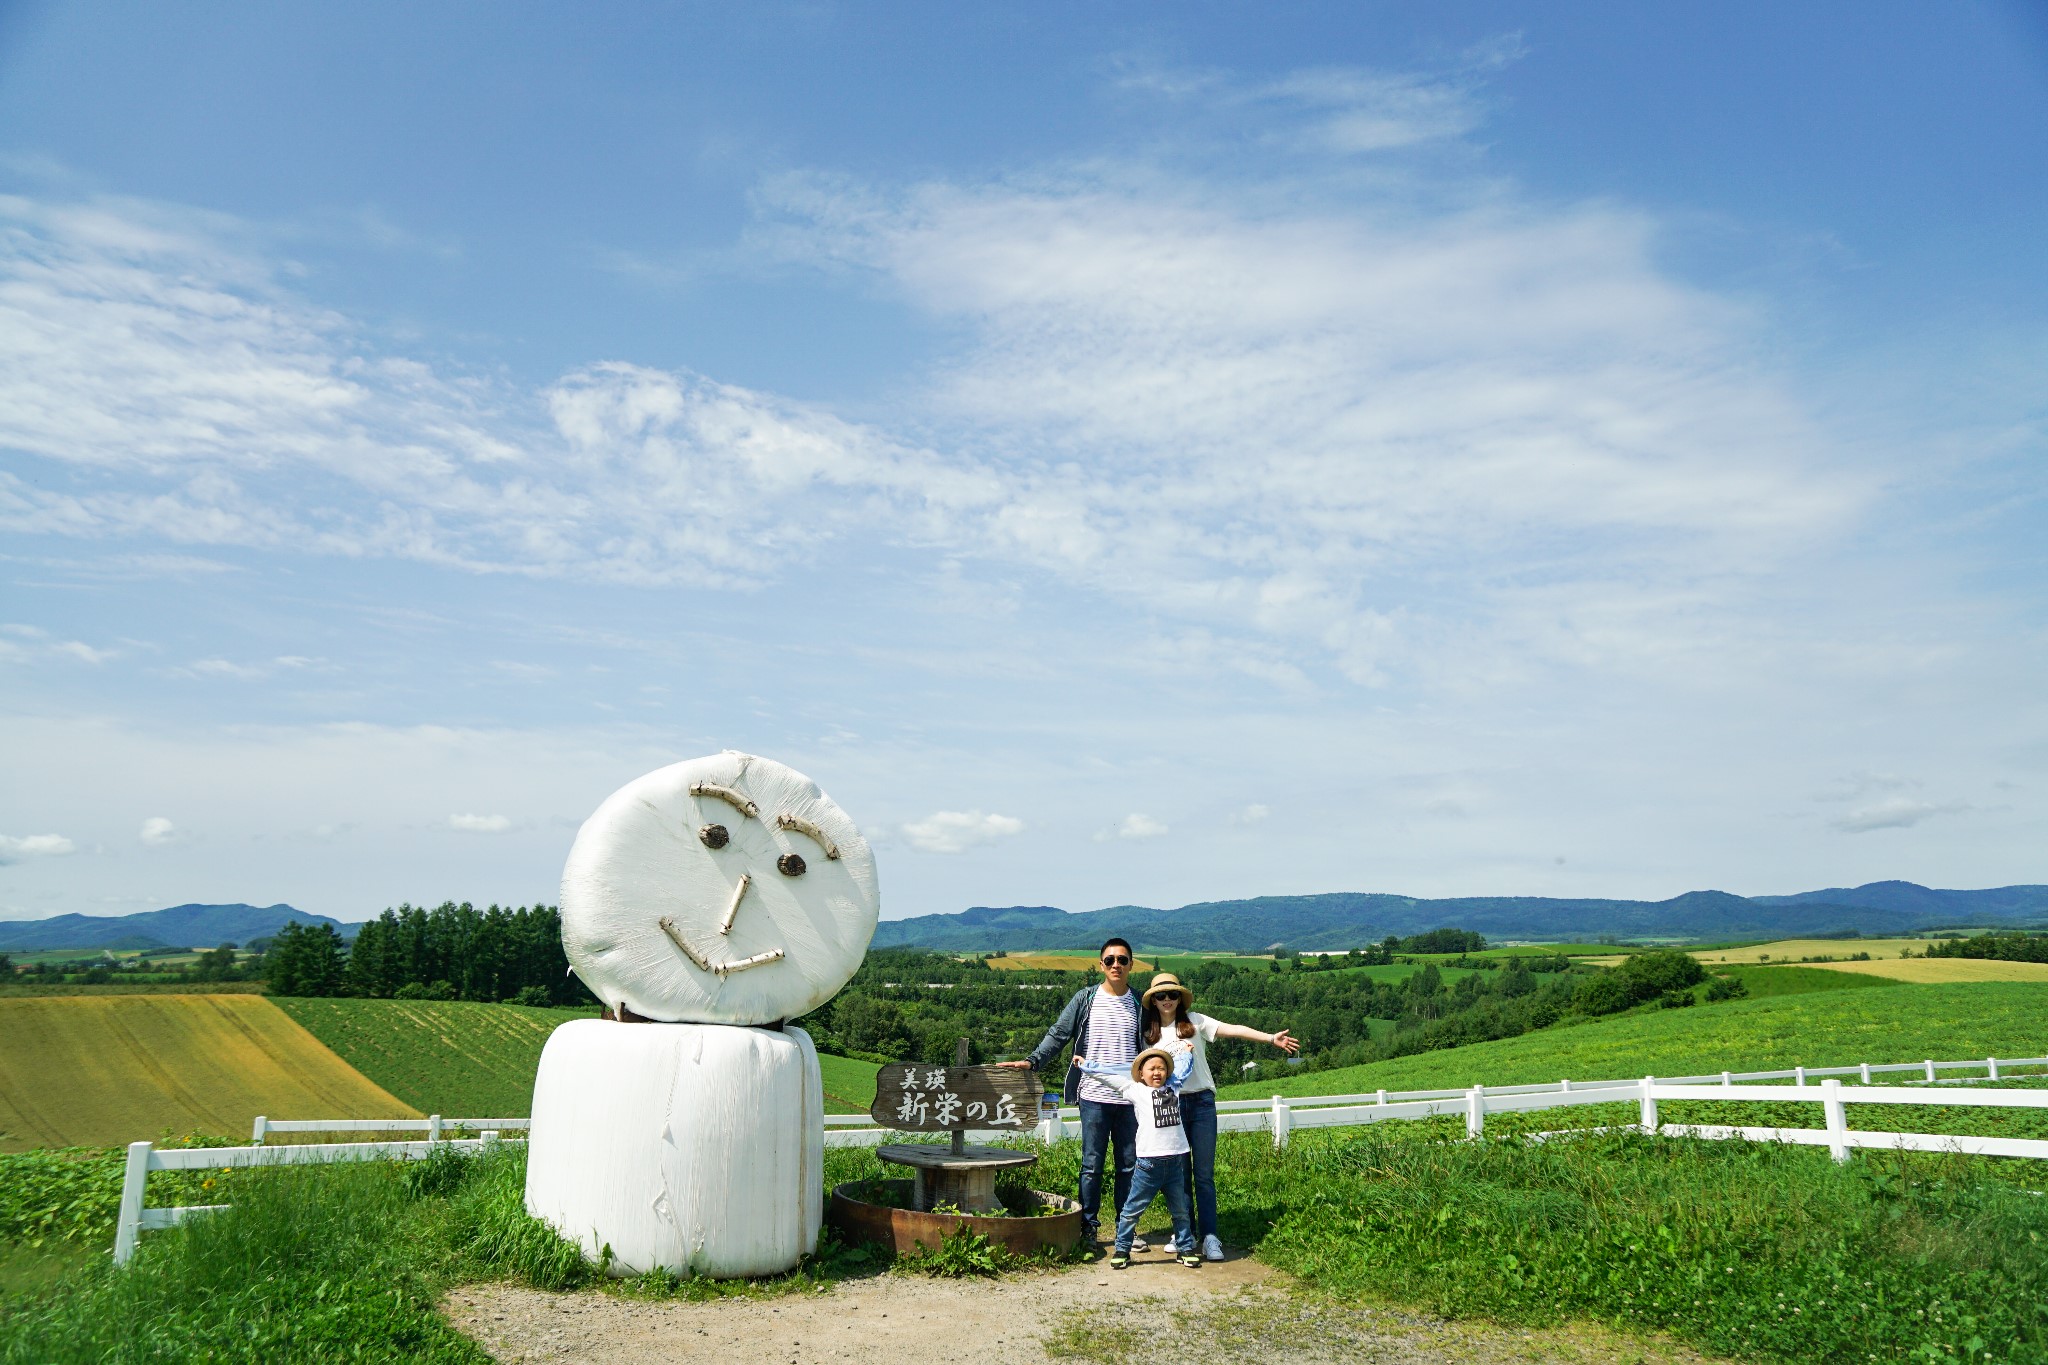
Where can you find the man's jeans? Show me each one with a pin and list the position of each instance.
(1198, 1117)
(1101, 1126)
(1167, 1175)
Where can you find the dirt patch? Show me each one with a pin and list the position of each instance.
(1237, 1312)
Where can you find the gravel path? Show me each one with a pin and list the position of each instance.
(1235, 1313)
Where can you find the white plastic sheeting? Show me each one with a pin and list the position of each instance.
(641, 858)
(698, 1148)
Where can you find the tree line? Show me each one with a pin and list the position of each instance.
(451, 952)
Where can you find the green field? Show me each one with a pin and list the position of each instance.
(459, 1058)
(1764, 982)
(470, 1060)
(1900, 1023)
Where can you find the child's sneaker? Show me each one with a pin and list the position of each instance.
(1190, 1259)
(1212, 1247)
(1140, 1244)
(1120, 1260)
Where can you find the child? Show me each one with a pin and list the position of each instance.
(1153, 1088)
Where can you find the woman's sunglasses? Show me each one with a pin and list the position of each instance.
(1115, 960)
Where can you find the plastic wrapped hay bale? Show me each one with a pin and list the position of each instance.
(697, 1148)
(726, 889)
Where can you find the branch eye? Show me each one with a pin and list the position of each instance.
(714, 836)
(790, 865)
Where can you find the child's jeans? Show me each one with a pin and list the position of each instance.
(1163, 1175)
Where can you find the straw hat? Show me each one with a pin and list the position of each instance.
(1161, 1053)
(1167, 982)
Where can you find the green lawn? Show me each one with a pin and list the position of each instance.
(1904, 1023)
(1764, 982)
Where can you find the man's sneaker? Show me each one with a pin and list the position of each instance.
(1190, 1259)
(1212, 1247)
(1119, 1261)
(1140, 1244)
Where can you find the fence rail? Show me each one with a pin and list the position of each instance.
(1279, 1116)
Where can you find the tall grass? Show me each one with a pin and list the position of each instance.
(1755, 1250)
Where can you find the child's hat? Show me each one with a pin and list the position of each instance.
(1161, 1053)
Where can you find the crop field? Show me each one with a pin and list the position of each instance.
(99, 1070)
(1056, 962)
(1836, 1028)
(849, 1084)
(1932, 970)
(471, 1060)
(1792, 949)
(460, 1058)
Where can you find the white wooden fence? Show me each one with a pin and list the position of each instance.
(1280, 1116)
(134, 1216)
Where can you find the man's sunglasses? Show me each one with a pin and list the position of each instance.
(1115, 960)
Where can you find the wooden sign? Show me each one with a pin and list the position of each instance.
(918, 1097)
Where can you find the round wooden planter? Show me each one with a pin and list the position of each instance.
(901, 1229)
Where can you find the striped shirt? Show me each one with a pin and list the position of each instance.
(1112, 1040)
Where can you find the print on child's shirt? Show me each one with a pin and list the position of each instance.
(1165, 1108)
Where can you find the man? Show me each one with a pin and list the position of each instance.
(1102, 1023)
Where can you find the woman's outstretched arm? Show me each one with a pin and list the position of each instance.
(1284, 1040)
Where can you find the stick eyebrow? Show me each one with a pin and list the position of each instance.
(803, 826)
(727, 795)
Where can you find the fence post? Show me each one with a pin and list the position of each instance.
(1383, 1096)
(1649, 1105)
(261, 1131)
(1991, 1064)
(1799, 1075)
(1866, 1073)
(1475, 1112)
(433, 1127)
(1838, 1121)
(1564, 1087)
(1281, 1121)
(1930, 1071)
(489, 1137)
(1727, 1078)
(128, 1222)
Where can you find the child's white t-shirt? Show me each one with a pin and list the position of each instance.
(1159, 1128)
(1205, 1033)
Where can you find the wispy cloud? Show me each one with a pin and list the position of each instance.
(14, 849)
(159, 832)
(956, 831)
(1896, 812)
(480, 824)
(1136, 826)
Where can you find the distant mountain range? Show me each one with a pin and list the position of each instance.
(1354, 919)
(181, 926)
(1340, 919)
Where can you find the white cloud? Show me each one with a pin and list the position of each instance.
(13, 849)
(1253, 814)
(158, 832)
(1897, 812)
(956, 831)
(1137, 826)
(480, 824)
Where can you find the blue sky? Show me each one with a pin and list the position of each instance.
(1126, 453)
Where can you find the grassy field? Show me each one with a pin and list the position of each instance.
(460, 1058)
(469, 1060)
(104, 1069)
(1764, 982)
(1792, 949)
(1056, 962)
(1937, 970)
(1835, 1028)
(849, 1084)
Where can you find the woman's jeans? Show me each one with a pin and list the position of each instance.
(1104, 1126)
(1198, 1117)
(1167, 1175)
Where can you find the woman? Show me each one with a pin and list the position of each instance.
(1170, 1024)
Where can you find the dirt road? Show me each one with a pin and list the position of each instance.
(1238, 1312)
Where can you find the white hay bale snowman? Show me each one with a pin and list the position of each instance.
(714, 900)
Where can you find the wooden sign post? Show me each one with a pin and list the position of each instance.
(920, 1098)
